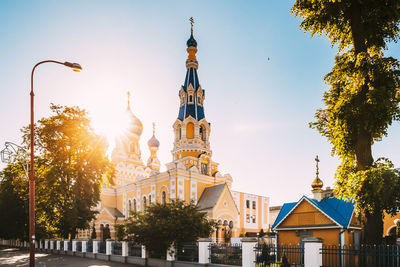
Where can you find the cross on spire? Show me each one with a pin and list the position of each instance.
(317, 160)
(129, 95)
(191, 24)
(154, 128)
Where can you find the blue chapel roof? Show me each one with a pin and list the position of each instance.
(337, 209)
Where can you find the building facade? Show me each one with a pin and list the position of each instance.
(192, 175)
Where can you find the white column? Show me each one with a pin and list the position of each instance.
(144, 252)
(124, 248)
(95, 246)
(109, 244)
(204, 250)
(74, 245)
(312, 252)
(66, 241)
(248, 254)
(51, 244)
(171, 253)
(58, 245)
(84, 245)
(46, 244)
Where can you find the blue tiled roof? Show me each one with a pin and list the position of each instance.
(338, 210)
(190, 109)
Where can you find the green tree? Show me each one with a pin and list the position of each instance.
(363, 97)
(70, 165)
(163, 225)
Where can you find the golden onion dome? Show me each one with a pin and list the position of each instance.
(317, 184)
(134, 126)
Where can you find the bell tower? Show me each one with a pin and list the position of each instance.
(191, 129)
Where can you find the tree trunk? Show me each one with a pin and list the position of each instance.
(372, 227)
(371, 223)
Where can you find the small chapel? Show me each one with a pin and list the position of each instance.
(192, 174)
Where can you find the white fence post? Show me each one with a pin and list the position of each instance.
(58, 245)
(109, 244)
(248, 254)
(84, 245)
(144, 252)
(171, 253)
(124, 248)
(95, 246)
(204, 250)
(74, 245)
(66, 241)
(312, 249)
(51, 244)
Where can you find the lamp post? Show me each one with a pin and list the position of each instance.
(75, 67)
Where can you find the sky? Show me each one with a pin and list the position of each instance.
(263, 78)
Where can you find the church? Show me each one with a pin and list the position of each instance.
(192, 175)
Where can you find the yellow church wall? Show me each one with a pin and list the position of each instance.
(259, 215)
(108, 200)
(160, 187)
(119, 202)
(241, 197)
(266, 217)
(305, 214)
(388, 222)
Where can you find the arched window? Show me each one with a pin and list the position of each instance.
(163, 198)
(134, 205)
(179, 133)
(149, 200)
(144, 204)
(203, 135)
(129, 207)
(190, 131)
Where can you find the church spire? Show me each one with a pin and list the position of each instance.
(317, 184)
(153, 162)
(191, 93)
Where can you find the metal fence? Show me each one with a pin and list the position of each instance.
(364, 255)
(102, 247)
(134, 249)
(226, 254)
(79, 246)
(61, 245)
(89, 247)
(188, 252)
(285, 255)
(69, 247)
(117, 248)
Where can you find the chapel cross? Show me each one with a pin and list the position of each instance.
(317, 160)
(129, 95)
(191, 24)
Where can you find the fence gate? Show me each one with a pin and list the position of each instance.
(285, 255)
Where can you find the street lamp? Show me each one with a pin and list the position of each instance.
(75, 67)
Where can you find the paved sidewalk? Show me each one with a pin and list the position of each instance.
(17, 257)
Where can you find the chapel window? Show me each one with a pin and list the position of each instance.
(254, 205)
(203, 135)
(204, 168)
(134, 205)
(149, 200)
(163, 197)
(190, 99)
(254, 219)
(144, 204)
(248, 204)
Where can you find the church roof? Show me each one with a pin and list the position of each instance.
(114, 212)
(210, 197)
(338, 210)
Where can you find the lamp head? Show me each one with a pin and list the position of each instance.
(74, 66)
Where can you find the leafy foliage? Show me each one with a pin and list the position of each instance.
(345, 114)
(362, 100)
(165, 224)
(70, 165)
